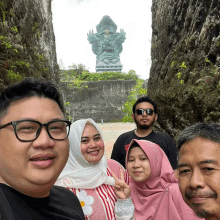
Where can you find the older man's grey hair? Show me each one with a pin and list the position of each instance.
(207, 130)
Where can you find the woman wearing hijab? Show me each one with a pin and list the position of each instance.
(88, 173)
(154, 188)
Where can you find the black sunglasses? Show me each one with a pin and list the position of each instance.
(148, 111)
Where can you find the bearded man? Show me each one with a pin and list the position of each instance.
(144, 116)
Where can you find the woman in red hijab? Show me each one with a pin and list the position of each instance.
(154, 188)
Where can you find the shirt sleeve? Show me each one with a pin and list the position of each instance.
(124, 209)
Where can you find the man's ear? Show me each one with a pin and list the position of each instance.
(156, 117)
(132, 116)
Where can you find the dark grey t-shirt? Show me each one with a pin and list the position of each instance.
(61, 204)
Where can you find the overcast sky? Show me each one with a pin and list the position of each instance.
(73, 19)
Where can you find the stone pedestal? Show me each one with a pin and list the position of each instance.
(111, 68)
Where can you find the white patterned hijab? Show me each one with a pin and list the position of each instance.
(78, 173)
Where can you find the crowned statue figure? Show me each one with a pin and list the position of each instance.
(107, 45)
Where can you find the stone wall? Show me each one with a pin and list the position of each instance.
(101, 100)
(185, 77)
(27, 42)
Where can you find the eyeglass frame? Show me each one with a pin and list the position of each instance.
(14, 124)
(145, 110)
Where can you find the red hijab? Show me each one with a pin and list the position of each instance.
(158, 198)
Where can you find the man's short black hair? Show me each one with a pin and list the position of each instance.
(145, 99)
(207, 130)
(29, 87)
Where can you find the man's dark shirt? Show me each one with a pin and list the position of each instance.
(163, 140)
(61, 204)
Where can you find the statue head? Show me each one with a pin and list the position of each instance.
(106, 25)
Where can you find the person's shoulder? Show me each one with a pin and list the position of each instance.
(63, 192)
(162, 134)
(113, 164)
(114, 167)
(126, 134)
(67, 200)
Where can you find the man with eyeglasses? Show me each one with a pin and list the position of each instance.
(33, 151)
(144, 116)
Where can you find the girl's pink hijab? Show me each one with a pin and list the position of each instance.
(159, 197)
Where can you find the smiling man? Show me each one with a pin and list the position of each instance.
(144, 116)
(199, 169)
(33, 151)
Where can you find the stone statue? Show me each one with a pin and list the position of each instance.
(107, 45)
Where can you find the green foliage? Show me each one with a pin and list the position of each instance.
(209, 82)
(21, 56)
(2, 6)
(35, 29)
(207, 60)
(20, 63)
(38, 34)
(35, 26)
(14, 29)
(172, 64)
(5, 42)
(14, 77)
(106, 76)
(77, 83)
(78, 75)
(67, 104)
(69, 117)
(178, 75)
(137, 92)
(183, 65)
(131, 72)
(39, 56)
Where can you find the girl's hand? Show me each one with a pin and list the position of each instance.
(122, 190)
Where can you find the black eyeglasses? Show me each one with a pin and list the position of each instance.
(29, 130)
(148, 111)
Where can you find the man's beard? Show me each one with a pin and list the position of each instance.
(143, 127)
(204, 214)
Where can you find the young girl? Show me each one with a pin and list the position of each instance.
(88, 173)
(154, 189)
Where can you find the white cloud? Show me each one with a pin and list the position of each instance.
(73, 19)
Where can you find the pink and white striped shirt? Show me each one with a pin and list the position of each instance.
(99, 203)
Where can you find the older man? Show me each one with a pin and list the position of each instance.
(199, 169)
(33, 151)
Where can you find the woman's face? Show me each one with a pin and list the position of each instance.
(138, 165)
(92, 145)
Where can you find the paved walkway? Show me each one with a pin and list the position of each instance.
(111, 131)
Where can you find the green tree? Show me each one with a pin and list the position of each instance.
(131, 72)
(137, 92)
(73, 73)
(78, 69)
